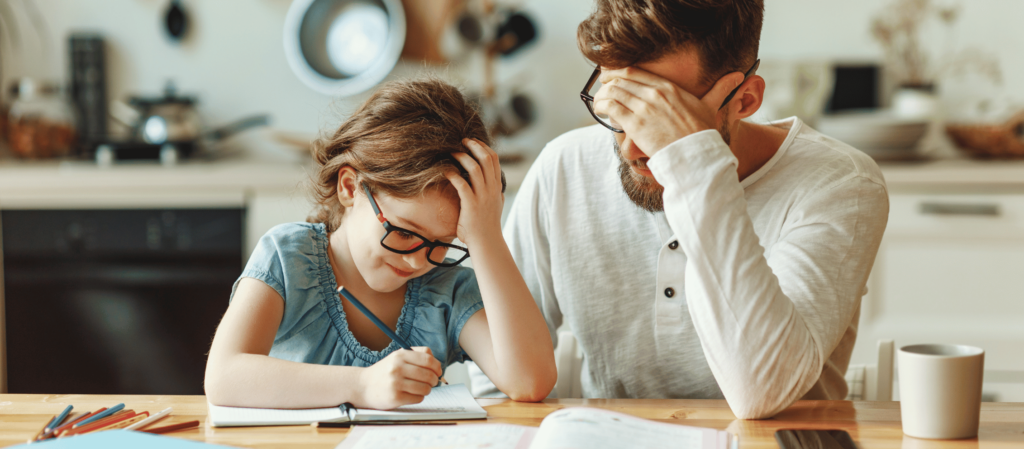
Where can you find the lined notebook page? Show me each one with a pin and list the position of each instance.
(239, 416)
(444, 402)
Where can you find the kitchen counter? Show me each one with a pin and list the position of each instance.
(74, 184)
(958, 174)
(63, 184)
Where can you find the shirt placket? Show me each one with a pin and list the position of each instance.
(669, 297)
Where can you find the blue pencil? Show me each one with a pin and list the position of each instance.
(376, 321)
(99, 416)
(57, 420)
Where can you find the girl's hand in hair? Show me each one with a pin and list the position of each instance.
(481, 197)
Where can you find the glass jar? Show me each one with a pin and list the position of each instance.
(40, 123)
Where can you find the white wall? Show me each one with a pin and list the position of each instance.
(234, 59)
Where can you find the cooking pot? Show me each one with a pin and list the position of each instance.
(173, 120)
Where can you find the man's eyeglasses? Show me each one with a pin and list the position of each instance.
(403, 241)
(591, 88)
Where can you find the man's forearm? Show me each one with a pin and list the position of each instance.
(760, 349)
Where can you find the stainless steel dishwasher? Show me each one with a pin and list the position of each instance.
(115, 301)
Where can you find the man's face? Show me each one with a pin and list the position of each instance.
(683, 69)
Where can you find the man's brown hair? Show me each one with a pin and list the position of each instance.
(724, 33)
(399, 142)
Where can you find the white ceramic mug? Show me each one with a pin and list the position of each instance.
(940, 390)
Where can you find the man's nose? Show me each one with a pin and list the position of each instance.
(629, 150)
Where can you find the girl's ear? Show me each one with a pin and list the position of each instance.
(348, 186)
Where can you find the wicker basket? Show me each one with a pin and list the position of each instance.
(1002, 141)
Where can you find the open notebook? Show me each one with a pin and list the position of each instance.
(444, 402)
(577, 427)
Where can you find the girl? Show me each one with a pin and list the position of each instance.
(418, 153)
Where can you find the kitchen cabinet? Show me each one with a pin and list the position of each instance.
(948, 270)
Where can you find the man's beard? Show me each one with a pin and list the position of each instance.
(643, 191)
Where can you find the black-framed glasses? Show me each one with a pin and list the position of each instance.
(587, 95)
(403, 241)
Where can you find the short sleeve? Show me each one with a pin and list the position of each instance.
(291, 258)
(265, 263)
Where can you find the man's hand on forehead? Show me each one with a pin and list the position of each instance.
(653, 111)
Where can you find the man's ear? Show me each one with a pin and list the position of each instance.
(348, 186)
(750, 96)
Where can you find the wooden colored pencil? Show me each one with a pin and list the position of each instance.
(152, 419)
(70, 418)
(60, 418)
(116, 417)
(99, 416)
(43, 430)
(124, 422)
(70, 423)
(173, 427)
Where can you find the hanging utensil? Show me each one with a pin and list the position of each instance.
(176, 20)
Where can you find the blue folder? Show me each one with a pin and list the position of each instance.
(116, 439)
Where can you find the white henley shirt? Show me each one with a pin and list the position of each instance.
(748, 291)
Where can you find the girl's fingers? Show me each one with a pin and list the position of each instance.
(420, 374)
(414, 387)
(422, 359)
(476, 175)
(494, 158)
(485, 156)
(460, 184)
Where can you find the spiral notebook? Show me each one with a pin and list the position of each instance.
(443, 403)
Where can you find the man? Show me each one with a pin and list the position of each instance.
(693, 254)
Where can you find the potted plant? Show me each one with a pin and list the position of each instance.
(898, 28)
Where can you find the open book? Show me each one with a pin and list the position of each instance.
(444, 402)
(578, 427)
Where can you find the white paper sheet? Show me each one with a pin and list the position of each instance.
(469, 436)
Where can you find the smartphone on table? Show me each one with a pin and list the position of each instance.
(814, 439)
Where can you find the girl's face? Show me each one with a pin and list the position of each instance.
(432, 215)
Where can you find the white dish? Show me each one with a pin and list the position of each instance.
(874, 132)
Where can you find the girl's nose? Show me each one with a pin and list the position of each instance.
(417, 259)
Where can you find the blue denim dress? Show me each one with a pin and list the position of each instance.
(292, 259)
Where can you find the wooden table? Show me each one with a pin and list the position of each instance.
(872, 424)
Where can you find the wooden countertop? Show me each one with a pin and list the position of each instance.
(871, 424)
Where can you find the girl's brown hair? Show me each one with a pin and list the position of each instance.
(399, 141)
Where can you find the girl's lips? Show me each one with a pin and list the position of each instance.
(401, 273)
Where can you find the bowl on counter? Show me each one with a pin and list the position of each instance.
(881, 134)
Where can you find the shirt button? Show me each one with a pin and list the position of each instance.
(669, 292)
(674, 244)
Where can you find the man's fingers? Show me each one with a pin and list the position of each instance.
(637, 75)
(725, 85)
(637, 98)
(617, 113)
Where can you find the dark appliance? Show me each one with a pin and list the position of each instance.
(89, 89)
(115, 301)
(857, 87)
